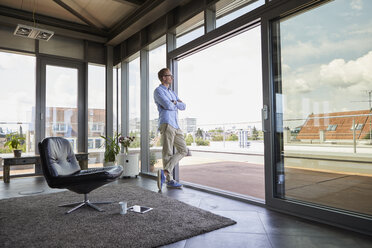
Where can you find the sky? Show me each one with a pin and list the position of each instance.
(222, 84)
(326, 59)
(18, 92)
(61, 86)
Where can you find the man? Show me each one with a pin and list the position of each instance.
(168, 105)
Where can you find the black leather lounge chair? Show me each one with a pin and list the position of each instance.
(61, 170)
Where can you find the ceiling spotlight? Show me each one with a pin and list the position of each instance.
(33, 33)
(44, 36)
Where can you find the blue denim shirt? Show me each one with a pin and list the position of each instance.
(168, 111)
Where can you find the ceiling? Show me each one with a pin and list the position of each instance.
(112, 20)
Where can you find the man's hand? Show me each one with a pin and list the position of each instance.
(179, 100)
(173, 101)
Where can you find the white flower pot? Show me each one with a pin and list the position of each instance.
(129, 163)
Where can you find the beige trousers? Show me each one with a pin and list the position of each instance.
(172, 137)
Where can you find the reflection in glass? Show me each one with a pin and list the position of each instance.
(96, 114)
(323, 101)
(61, 113)
(157, 61)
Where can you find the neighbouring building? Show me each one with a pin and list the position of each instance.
(337, 126)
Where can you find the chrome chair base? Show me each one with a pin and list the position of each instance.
(86, 202)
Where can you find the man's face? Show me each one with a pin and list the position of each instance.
(168, 78)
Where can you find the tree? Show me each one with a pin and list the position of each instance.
(233, 137)
(201, 142)
(199, 133)
(217, 137)
(255, 133)
(189, 139)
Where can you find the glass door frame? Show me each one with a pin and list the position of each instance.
(82, 99)
(224, 32)
(311, 211)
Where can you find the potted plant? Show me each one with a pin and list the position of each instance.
(14, 140)
(112, 149)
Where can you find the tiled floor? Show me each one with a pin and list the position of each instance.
(256, 226)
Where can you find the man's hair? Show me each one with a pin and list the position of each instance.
(162, 73)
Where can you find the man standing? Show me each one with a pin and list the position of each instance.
(168, 105)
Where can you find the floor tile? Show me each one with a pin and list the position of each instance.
(282, 224)
(310, 242)
(215, 203)
(247, 222)
(224, 240)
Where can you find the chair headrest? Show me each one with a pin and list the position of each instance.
(59, 157)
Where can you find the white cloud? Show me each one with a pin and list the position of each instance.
(356, 4)
(301, 86)
(285, 68)
(310, 50)
(61, 89)
(333, 87)
(347, 74)
(300, 81)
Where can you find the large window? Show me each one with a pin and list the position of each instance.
(117, 99)
(135, 105)
(17, 103)
(96, 114)
(228, 10)
(190, 30)
(157, 61)
(222, 89)
(323, 83)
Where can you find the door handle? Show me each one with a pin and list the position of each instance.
(264, 116)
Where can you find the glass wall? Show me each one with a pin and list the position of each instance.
(96, 114)
(190, 30)
(17, 105)
(222, 89)
(135, 106)
(227, 10)
(323, 84)
(61, 113)
(157, 61)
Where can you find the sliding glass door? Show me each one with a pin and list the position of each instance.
(222, 89)
(323, 85)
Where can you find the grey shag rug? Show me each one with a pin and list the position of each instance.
(37, 221)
